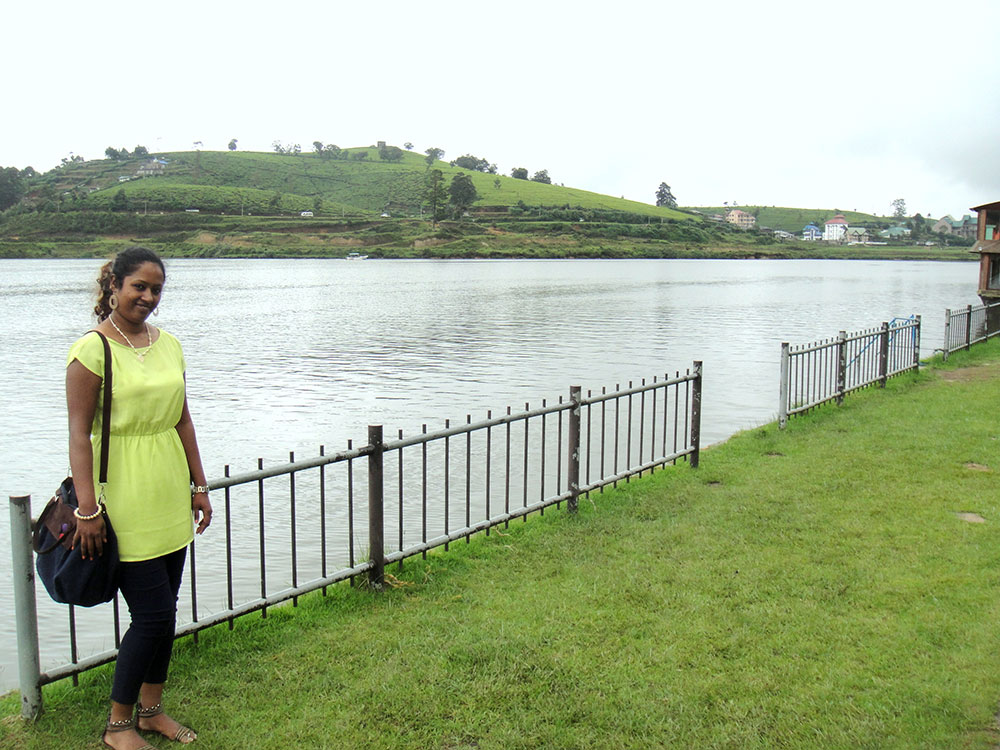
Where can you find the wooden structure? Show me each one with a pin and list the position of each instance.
(988, 247)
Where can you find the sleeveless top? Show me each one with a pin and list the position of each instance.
(148, 492)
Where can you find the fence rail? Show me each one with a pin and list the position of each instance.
(827, 370)
(970, 325)
(295, 526)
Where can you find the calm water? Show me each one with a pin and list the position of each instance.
(289, 355)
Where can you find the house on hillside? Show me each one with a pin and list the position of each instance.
(966, 227)
(857, 236)
(741, 218)
(152, 168)
(835, 229)
(895, 233)
(811, 233)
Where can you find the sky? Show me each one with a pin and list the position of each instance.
(785, 103)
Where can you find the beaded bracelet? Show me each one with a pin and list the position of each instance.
(199, 489)
(92, 516)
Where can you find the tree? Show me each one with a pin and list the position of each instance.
(318, 147)
(29, 172)
(408, 146)
(433, 154)
(332, 150)
(390, 153)
(497, 183)
(519, 173)
(317, 204)
(119, 201)
(141, 151)
(435, 195)
(474, 163)
(11, 187)
(462, 193)
(112, 153)
(542, 176)
(232, 145)
(664, 197)
(898, 208)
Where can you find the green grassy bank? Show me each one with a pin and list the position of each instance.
(813, 587)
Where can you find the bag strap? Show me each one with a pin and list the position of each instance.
(106, 418)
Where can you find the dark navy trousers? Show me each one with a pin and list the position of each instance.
(150, 589)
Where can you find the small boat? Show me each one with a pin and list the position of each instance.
(356, 256)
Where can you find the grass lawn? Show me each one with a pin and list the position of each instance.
(813, 587)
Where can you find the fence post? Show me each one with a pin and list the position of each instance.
(883, 355)
(947, 334)
(783, 388)
(376, 547)
(916, 344)
(25, 612)
(841, 366)
(573, 464)
(968, 327)
(696, 414)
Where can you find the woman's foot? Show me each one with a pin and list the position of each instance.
(153, 719)
(121, 735)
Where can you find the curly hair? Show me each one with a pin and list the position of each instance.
(115, 271)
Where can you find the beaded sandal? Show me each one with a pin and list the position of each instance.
(184, 735)
(120, 726)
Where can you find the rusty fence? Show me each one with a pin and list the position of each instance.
(827, 370)
(307, 524)
(970, 325)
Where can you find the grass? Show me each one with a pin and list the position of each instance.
(812, 587)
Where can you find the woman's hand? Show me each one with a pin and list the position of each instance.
(90, 537)
(200, 504)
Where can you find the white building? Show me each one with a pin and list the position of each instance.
(835, 229)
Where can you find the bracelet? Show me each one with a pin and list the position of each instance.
(199, 489)
(92, 516)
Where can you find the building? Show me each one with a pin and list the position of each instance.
(835, 229)
(811, 233)
(897, 233)
(988, 247)
(857, 236)
(741, 218)
(152, 168)
(966, 227)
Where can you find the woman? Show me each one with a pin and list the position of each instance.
(149, 497)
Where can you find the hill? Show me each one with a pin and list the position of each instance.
(793, 219)
(357, 181)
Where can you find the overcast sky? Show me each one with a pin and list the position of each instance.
(820, 105)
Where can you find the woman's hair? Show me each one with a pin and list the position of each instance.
(116, 269)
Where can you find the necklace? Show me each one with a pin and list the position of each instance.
(141, 355)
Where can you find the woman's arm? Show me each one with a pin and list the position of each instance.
(199, 501)
(82, 389)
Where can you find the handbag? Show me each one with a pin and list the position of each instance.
(67, 577)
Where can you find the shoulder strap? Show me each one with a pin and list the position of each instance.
(106, 418)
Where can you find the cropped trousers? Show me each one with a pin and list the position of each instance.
(150, 589)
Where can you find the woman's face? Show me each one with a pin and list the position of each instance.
(140, 293)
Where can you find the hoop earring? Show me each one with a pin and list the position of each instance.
(113, 301)
(156, 310)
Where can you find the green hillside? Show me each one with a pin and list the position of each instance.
(344, 185)
(794, 219)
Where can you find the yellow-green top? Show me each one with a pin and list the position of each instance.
(148, 493)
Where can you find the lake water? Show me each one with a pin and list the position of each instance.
(286, 355)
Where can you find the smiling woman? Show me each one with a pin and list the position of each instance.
(153, 459)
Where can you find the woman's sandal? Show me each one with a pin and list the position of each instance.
(120, 726)
(184, 735)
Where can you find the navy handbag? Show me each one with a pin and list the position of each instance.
(67, 577)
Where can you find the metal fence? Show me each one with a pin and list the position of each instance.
(307, 524)
(970, 325)
(827, 370)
